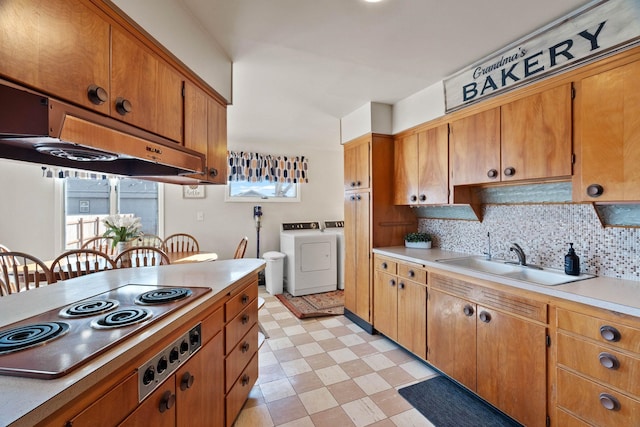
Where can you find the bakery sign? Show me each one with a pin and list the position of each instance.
(600, 28)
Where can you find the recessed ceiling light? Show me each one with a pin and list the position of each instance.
(373, 1)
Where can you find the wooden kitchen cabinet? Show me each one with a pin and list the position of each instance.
(508, 335)
(608, 136)
(60, 47)
(371, 218)
(421, 167)
(400, 303)
(158, 409)
(152, 89)
(598, 363)
(526, 139)
(205, 131)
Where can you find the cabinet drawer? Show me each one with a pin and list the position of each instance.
(111, 408)
(566, 420)
(240, 390)
(238, 302)
(412, 272)
(603, 331)
(238, 327)
(212, 324)
(585, 357)
(587, 400)
(238, 358)
(385, 264)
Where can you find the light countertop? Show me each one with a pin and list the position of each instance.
(622, 296)
(26, 401)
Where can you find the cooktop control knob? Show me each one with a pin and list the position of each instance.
(173, 355)
(149, 376)
(162, 364)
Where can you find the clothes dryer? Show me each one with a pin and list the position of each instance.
(311, 258)
(337, 227)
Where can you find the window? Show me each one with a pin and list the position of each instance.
(88, 201)
(244, 191)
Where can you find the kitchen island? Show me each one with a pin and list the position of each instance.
(32, 401)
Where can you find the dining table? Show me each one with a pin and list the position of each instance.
(186, 257)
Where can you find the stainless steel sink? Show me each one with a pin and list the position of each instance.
(544, 276)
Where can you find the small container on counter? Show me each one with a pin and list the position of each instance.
(572, 262)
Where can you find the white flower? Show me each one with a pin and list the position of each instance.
(122, 228)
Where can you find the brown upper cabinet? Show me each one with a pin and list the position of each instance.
(526, 139)
(356, 165)
(609, 136)
(60, 47)
(421, 167)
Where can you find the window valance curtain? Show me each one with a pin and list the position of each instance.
(258, 167)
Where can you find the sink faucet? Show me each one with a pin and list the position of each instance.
(522, 258)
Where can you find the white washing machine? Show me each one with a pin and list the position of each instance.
(310, 266)
(337, 227)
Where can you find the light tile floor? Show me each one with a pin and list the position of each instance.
(328, 372)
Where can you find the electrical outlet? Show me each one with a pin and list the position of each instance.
(200, 216)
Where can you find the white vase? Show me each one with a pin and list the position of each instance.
(417, 245)
(122, 246)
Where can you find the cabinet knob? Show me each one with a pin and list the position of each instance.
(245, 299)
(485, 316)
(412, 273)
(384, 265)
(352, 198)
(358, 183)
(213, 172)
(413, 198)
(423, 197)
(468, 310)
(353, 184)
(492, 173)
(609, 402)
(609, 333)
(123, 106)
(609, 361)
(358, 197)
(510, 171)
(401, 285)
(245, 347)
(245, 319)
(392, 282)
(245, 380)
(595, 190)
(167, 401)
(97, 95)
(187, 381)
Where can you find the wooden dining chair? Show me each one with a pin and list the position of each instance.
(3, 248)
(181, 242)
(148, 240)
(80, 262)
(241, 249)
(142, 256)
(102, 244)
(21, 272)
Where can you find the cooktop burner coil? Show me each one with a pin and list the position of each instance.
(30, 335)
(89, 307)
(120, 318)
(162, 296)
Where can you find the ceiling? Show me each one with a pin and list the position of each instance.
(299, 66)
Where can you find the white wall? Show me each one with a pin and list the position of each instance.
(418, 108)
(225, 223)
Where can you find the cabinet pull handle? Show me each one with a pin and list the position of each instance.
(384, 265)
(468, 310)
(510, 171)
(413, 198)
(187, 381)
(485, 316)
(245, 299)
(213, 172)
(167, 401)
(123, 106)
(352, 198)
(423, 198)
(358, 197)
(609, 333)
(412, 273)
(609, 402)
(401, 285)
(245, 319)
(392, 282)
(595, 190)
(358, 183)
(492, 173)
(609, 361)
(245, 380)
(245, 347)
(97, 95)
(353, 184)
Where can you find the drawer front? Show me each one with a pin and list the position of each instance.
(212, 324)
(602, 363)
(566, 420)
(239, 326)
(603, 331)
(413, 273)
(587, 399)
(240, 391)
(112, 407)
(385, 264)
(240, 356)
(240, 301)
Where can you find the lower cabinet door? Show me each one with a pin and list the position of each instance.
(157, 410)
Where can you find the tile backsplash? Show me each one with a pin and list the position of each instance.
(544, 231)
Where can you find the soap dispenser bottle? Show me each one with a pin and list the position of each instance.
(572, 262)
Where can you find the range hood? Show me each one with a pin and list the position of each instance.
(38, 129)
